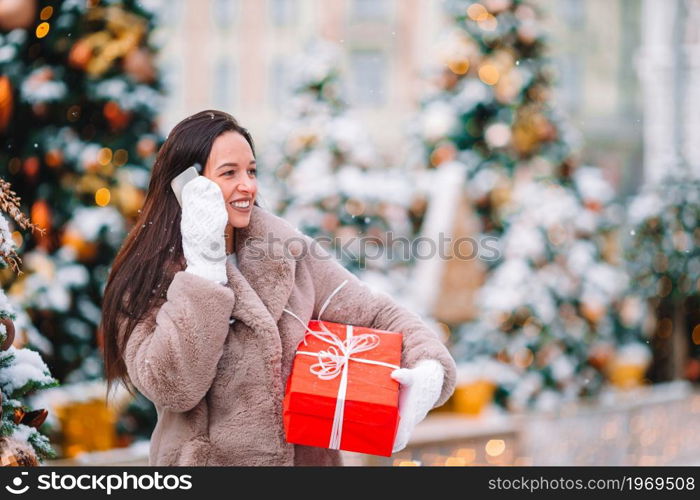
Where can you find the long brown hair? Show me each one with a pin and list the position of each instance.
(152, 252)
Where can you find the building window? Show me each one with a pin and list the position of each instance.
(224, 13)
(283, 12)
(224, 84)
(171, 74)
(573, 12)
(167, 16)
(368, 74)
(279, 82)
(370, 10)
(570, 85)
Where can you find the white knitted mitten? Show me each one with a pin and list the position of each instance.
(419, 390)
(202, 225)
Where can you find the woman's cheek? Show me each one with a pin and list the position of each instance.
(224, 186)
(231, 214)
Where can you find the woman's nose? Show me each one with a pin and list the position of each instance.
(246, 186)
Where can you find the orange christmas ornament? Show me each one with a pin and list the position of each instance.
(31, 167)
(35, 418)
(80, 54)
(18, 415)
(53, 158)
(41, 214)
(6, 102)
(85, 250)
(116, 116)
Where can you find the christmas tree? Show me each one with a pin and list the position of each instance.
(79, 94)
(663, 252)
(554, 312)
(22, 371)
(327, 178)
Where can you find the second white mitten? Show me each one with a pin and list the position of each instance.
(420, 388)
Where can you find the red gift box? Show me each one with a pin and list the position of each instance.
(340, 394)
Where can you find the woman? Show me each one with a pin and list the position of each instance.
(203, 335)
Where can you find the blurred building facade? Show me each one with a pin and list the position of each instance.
(235, 55)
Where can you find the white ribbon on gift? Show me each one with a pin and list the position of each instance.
(335, 361)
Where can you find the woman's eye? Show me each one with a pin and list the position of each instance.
(228, 172)
(253, 171)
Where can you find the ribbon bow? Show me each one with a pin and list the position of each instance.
(332, 361)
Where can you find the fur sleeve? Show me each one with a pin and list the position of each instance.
(171, 356)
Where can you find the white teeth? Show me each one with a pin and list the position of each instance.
(241, 204)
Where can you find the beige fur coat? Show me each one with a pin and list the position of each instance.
(214, 358)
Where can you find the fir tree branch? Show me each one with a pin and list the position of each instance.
(10, 203)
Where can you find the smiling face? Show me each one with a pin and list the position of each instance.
(231, 165)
